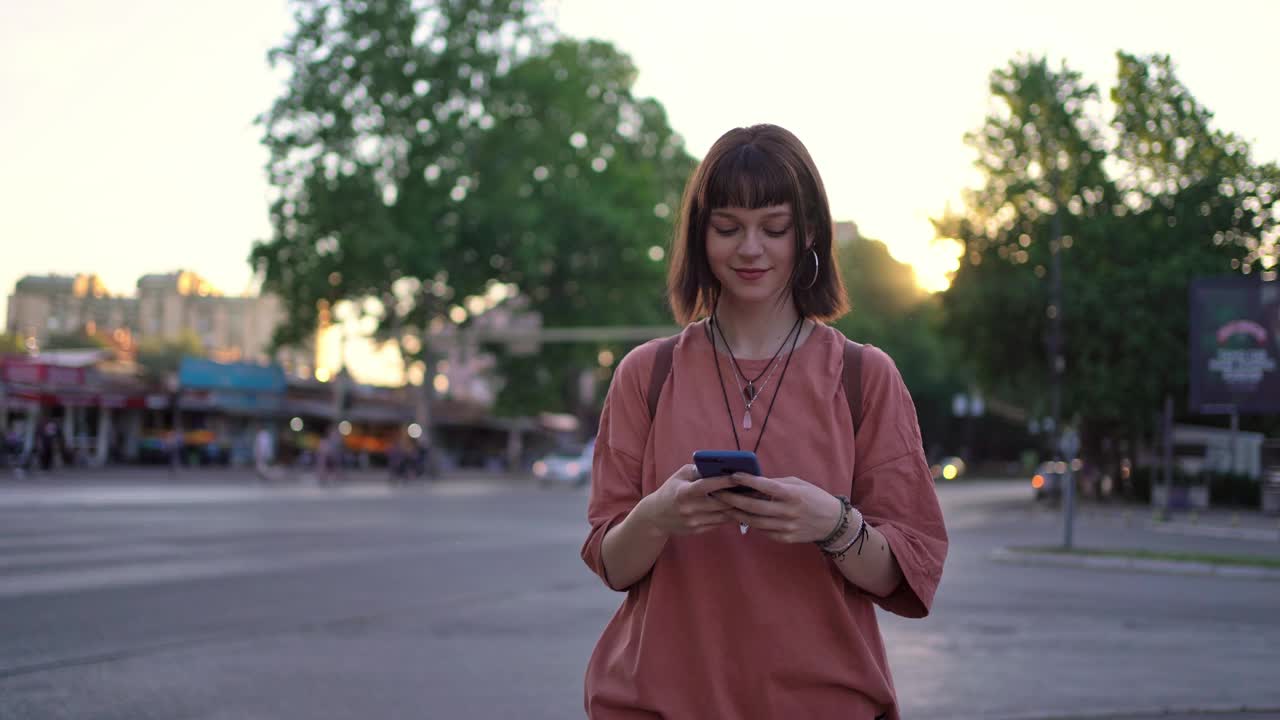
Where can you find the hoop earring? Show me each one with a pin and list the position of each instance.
(816, 269)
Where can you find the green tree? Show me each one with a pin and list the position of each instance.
(76, 341)
(1038, 151)
(423, 151)
(160, 358)
(581, 210)
(891, 311)
(1183, 200)
(1187, 180)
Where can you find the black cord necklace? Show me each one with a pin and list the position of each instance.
(777, 389)
(751, 390)
(751, 393)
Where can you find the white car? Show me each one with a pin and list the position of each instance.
(565, 469)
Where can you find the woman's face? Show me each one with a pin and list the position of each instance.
(752, 252)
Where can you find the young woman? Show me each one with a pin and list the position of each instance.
(738, 606)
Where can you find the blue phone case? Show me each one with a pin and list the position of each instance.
(711, 463)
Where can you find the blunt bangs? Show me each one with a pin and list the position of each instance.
(748, 177)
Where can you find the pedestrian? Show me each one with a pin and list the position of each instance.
(21, 453)
(8, 450)
(397, 459)
(173, 451)
(741, 606)
(263, 453)
(50, 444)
(329, 456)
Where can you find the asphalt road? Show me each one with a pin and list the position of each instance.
(235, 602)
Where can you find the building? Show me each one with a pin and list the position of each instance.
(231, 329)
(165, 307)
(46, 305)
(845, 232)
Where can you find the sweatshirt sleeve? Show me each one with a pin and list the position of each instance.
(616, 466)
(893, 487)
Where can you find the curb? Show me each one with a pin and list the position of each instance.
(1146, 712)
(1166, 567)
(1215, 531)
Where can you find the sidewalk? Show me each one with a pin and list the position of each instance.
(1244, 524)
(1128, 530)
(1206, 714)
(215, 475)
(152, 485)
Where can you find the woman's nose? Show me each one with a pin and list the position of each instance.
(752, 244)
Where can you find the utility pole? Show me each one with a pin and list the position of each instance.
(1167, 432)
(426, 419)
(1057, 359)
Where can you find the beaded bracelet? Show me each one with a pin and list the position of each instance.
(841, 525)
(858, 537)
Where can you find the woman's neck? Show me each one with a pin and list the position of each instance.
(755, 332)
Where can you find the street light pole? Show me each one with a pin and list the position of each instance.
(1056, 361)
(1057, 366)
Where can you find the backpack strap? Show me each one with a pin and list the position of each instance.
(853, 381)
(658, 376)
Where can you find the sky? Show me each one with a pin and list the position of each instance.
(127, 141)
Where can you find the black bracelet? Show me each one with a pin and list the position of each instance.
(859, 539)
(841, 525)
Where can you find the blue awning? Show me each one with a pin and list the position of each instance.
(200, 374)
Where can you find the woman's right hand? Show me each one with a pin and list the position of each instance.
(684, 505)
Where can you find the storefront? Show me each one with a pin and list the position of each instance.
(220, 407)
(70, 407)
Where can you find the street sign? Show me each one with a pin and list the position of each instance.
(1069, 444)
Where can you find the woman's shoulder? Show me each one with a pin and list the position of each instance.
(629, 389)
(637, 365)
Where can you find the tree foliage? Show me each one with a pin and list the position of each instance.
(77, 340)
(1169, 199)
(12, 344)
(160, 358)
(891, 311)
(424, 151)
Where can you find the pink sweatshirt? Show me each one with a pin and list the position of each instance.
(739, 626)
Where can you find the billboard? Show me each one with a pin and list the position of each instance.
(1235, 345)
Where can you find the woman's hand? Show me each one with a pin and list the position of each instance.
(684, 506)
(796, 511)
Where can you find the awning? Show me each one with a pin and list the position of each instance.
(201, 374)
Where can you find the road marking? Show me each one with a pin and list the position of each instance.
(134, 495)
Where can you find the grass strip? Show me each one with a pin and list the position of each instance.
(1258, 561)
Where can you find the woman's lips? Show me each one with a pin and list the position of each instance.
(751, 273)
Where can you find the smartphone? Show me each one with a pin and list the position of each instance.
(711, 463)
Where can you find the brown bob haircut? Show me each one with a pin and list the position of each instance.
(755, 167)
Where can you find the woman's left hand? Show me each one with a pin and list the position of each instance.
(796, 511)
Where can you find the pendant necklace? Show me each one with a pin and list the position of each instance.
(752, 391)
(777, 391)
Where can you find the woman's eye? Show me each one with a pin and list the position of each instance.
(725, 230)
(776, 233)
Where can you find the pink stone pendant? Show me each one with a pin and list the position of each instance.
(746, 420)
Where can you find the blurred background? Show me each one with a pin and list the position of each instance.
(401, 245)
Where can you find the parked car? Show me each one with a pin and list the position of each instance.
(948, 468)
(1047, 482)
(572, 469)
